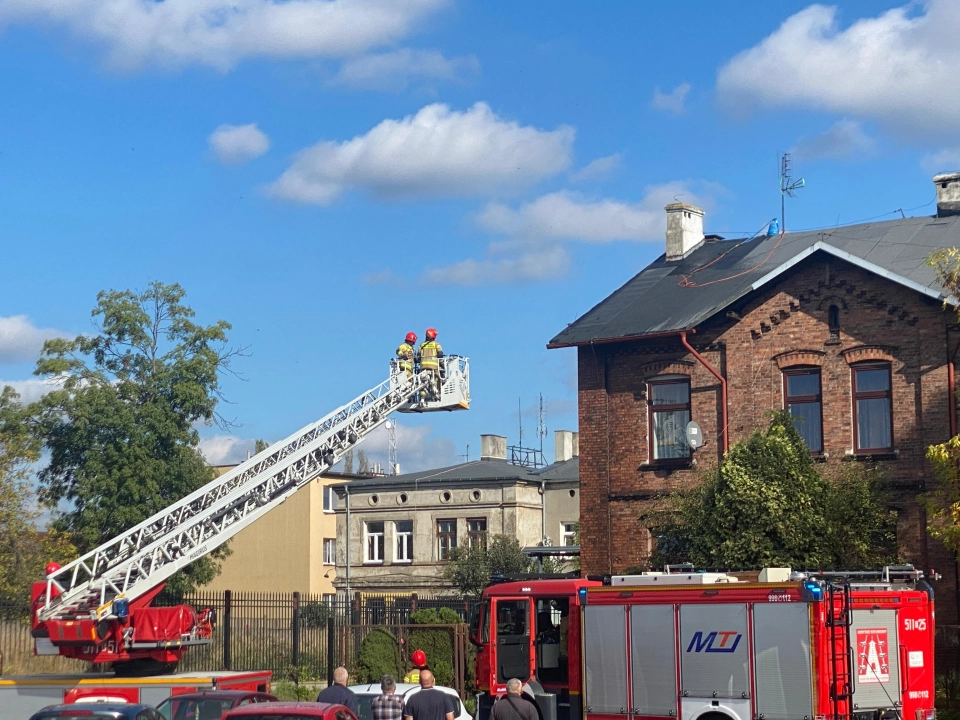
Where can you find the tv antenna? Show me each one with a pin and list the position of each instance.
(391, 426)
(788, 187)
(527, 456)
(466, 456)
(542, 426)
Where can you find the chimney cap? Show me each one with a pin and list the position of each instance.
(946, 177)
(678, 206)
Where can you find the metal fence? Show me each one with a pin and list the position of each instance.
(293, 634)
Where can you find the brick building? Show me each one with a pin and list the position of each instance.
(843, 327)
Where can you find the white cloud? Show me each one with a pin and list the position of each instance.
(378, 277)
(417, 449)
(944, 160)
(598, 169)
(33, 389)
(236, 144)
(437, 152)
(531, 266)
(221, 33)
(843, 140)
(674, 101)
(895, 68)
(536, 234)
(226, 449)
(20, 341)
(395, 70)
(569, 216)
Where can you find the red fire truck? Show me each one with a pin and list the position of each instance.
(709, 646)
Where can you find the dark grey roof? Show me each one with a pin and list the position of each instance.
(655, 301)
(564, 470)
(473, 471)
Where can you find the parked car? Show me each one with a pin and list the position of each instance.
(366, 693)
(291, 711)
(209, 704)
(97, 711)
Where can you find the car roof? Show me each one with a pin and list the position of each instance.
(402, 689)
(217, 695)
(112, 706)
(279, 708)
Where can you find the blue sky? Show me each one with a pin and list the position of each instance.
(327, 175)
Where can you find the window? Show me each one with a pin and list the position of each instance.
(329, 551)
(404, 529)
(801, 393)
(872, 408)
(329, 502)
(373, 540)
(568, 534)
(477, 532)
(833, 322)
(446, 538)
(669, 413)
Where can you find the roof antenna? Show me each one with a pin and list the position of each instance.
(788, 187)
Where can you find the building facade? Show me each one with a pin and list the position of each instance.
(398, 532)
(846, 329)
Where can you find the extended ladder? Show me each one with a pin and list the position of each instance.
(141, 558)
(839, 620)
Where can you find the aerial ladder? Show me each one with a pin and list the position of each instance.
(97, 608)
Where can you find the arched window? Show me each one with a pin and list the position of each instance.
(833, 321)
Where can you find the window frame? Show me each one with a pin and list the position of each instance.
(475, 536)
(367, 535)
(329, 495)
(329, 542)
(856, 395)
(651, 444)
(443, 554)
(789, 400)
(564, 533)
(400, 537)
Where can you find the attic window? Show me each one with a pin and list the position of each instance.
(943, 185)
(833, 322)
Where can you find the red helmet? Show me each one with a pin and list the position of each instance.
(419, 658)
(51, 568)
(431, 334)
(411, 337)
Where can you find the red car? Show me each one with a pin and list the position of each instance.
(291, 711)
(209, 704)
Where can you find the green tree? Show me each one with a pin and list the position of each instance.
(379, 656)
(24, 550)
(121, 433)
(470, 568)
(363, 463)
(436, 643)
(260, 445)
(767, 504)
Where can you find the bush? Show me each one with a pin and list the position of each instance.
(314, 614)
(379, 656)
(437, 644)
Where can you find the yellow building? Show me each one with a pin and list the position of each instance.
(291, 548)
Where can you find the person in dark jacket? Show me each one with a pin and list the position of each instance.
(513, 706)
(339, 693)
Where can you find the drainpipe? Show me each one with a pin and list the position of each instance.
(543, 511)
(347, 534)
(723, 386)
(951, 382)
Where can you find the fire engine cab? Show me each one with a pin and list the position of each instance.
(711, 646)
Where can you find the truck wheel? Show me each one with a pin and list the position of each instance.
(143, 667)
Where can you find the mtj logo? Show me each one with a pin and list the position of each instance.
(719, 641)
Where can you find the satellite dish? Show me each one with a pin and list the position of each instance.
(694, 435)
(388, 424)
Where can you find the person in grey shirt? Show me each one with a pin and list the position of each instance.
(513, 706)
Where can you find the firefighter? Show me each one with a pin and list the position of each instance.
(406, 353)
(430, 354)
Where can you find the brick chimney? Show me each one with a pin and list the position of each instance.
(684, 229)
(948, 194)
(493, 447)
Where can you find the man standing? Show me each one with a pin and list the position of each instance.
(388, 705)
(513, 706)
(406, 353)
(339, 693)
(429, 703)
(430, 354)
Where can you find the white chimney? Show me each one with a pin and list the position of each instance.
(948, 194)
(493, 447)
(567, 445)
(684, 229)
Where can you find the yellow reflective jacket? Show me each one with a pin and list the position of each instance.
(405, 351)
(429, 352)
